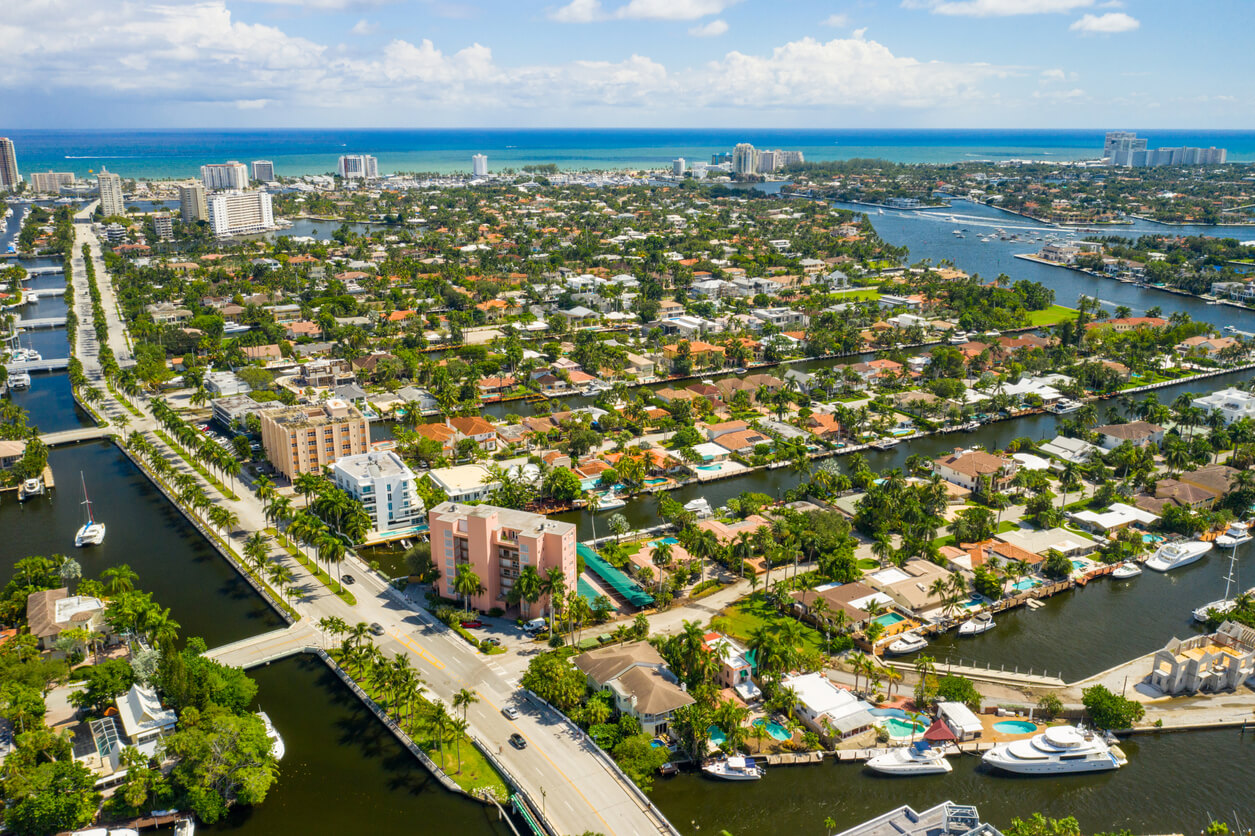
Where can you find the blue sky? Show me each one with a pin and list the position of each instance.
(610, 63)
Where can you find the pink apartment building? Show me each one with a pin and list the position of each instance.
(498, 543)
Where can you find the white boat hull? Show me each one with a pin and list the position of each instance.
(1184, 554)
(92, 534)
(1200, 614)
(1227, 540)
(906, 645)
(894, 763)
(1126, 571)
(975, 627)
(1020, 767)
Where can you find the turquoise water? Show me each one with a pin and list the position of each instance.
(1015, 726)
(1078, 564)
(776, 730)
(717, 737)
(656, 481)
(710, 467)
(670, 541)
(889, 619)
(1152, 538)
(902, 728)
(888, 712)
(1024, 585)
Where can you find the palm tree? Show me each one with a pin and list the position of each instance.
(119, 579)
(440, 720)
(256, 549)
(466, 583)
(464, 699)
(553, 584)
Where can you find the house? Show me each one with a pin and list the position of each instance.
(11, 452)
(640, 366)
(911, 586)
(1221, 661)
(1128, 323)
(968, 468)
(736, 670)
(143, 718)
(164, 313)
(1117, 517)
(742, 442)
(830, 711)
(50, 612)
(853, 599)
(225, 384)
(1195, 489)
(580, 316)
(1205, 346)
(960, 719)
(1137, 433)
(303, 328)
(1067, 449)
(1232, 403)
(472, 426)
(640, 681)
(1065, 542)
(464, 483)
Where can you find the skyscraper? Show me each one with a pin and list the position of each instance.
(192, 205)
(263, 171)
(677, 166)
(479, 165)
(358, 167)
(241, 213)
(110, 187)
(50, 182)
(230, 175)
(9, 176)
(744, 159)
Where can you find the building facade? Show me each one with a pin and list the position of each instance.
(479, 165)
(110, 187)
(163, 224)
(384, 485)
(192, 204)
(744, 159)
(497, 544)
(232, 175)
(263, 171)
(240, 213)
(358, 167)
(50, 182)
(9, 175)
(305, 439)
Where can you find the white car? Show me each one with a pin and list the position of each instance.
(510, 713)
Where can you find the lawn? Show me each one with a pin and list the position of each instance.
(1003, 528)
(1050, 316)
(868, 295)
(747, 615)
(867, 564)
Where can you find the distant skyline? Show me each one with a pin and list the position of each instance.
(626, 63)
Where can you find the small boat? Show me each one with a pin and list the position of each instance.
(610, 502)
(29, 488)
(20, 380)
(917, 759)
(668, 769)
(1127, 569)
(907, 643)
(734, 768)
(91, 533)
(1237, 534)
(1175, 555)
(885, 443)
(1057, 750)
(1229, 328)
(1064, 405)
(276, 741)
(982, 623)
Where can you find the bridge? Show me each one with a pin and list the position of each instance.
(41, 322)
(29, 295)
(267, 647)
(56, 364)
(46, 270)
(75, 436)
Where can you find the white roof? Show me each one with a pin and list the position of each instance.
(709, 450)
(1117, 515)
(959, 717)
(140, 711)
(1031, 462)
(461, 478)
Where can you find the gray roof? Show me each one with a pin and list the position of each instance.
(350, 392)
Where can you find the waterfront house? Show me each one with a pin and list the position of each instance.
(50, 612)
(1068, 449)
(1232, 403)
(642, 685)
(143, 718)
(11, 452)
(831, 712)
(853, 599)
(1137, 433)
(736, 667)
(1042, 541)
(966, 468)
(1117, 517)
(911, 585)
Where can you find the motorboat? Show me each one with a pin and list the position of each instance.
(1225, 604)
(917, 759)
(885, 443)
(1127, 569)
(699, 507)
(1064, 405)
(1057, 750)
(957, 339)
(29, 488)
(20, 380)
(610, 502)
(92, 533)
(906, 643)
(1175, 555)
(276, 741)
(1237, 534)
(982, 623)
(734, 768)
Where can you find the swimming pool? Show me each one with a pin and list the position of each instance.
(1024, 585)
(716, 735)
(887, 712)
(711, 467)
(902, 728)
(656, 480)
(1015, 726)
(888, 619)
(777, 731)
(670, 541)
(1078, 565)
(1152, 538)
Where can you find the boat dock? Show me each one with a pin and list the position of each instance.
(997, 676)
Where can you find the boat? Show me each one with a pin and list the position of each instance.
(1229, 328)
(885, 443)
(1127, 569)
(1237, 534)
(700, 507)
(970, 426)
(92, 533)
(1225, 604)
(20, 380)
(917, 759)
(1057, 750)
(1175, 555)
(610, 502)
(1064, 405)
(906, 643)
(668, 769)
(276, 741)
(958, 339)
(982, 623)
(734, 768)
(29, 488)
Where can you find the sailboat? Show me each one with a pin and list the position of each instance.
(92, 533)
(1226, 603)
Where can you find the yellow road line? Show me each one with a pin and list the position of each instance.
(414, 646)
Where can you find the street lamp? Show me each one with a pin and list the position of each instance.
(542, 803)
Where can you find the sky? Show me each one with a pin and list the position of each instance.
(627, 63)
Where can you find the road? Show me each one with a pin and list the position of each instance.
(563, 772)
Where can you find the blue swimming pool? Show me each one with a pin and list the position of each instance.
(777, 731)
(1078, 565)
(710, 467)
(1152, 538)
(1024, 585)
(888, 712)
(1015, 726)
(717, 737)
(903, 728)
(670, 541)
(889, 619)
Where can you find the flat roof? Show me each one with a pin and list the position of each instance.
(373, 465)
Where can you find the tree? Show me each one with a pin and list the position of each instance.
(639, 759)
(105, 682)
(1039, 825)
(955, 688)
(222, 759)
(49, 797)
(1110, 711)
(467, 584)
(558, 683)
(464, 699)
(561, 485)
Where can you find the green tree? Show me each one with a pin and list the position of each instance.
(49, 797)
(222, 759)
(1107, 710)
(550, 677)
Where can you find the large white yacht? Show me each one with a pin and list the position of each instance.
(276, 741)
(1057, 750)
(1225, 604)
(1237, 534)
(917, 759)
(1175, 555)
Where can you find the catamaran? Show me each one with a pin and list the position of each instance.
(92, 533)
(1225, 604)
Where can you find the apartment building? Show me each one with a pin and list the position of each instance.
(305, 439)
(110, 187)
(9, 175)
(384, 485)
(240, 213)
(479, 165)
(498, 543)
(231, 175)
(358, 166)
(192, 204)
(263, 171)
(50, 182)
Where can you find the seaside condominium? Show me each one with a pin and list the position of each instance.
(192, 204)
(9, 176)
(263, 171)
(50, 182)
(110, 188)
(231, 175)
(479, 165)
(240, 213)
(305, 439)
(497, 544)
(358, 167)
(384, 485)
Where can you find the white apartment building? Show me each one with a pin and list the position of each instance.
(384, 485)
(479, 165)
(744, 159)
(678, 166)
(110, 187)
(164, 226)
(50, 182)
(192, 204)
(222, 176)
(263, 171)
(9, 176)
(1232, 404)
(240, 213)
(358, 166)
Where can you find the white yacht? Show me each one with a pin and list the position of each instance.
(276, 741)
(907, 643)
(734, 768)
(982, 623)
(1175, 555)
(1237, 534)
(958, 339)
(1127, 569)
(91, 533)
(29, 488)
(700, 507)
(1225, 604)
(917, 759)
(1064, 405)
(610, 502)
(1057, 750)
(20, 380)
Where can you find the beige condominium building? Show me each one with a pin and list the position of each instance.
(305, 439)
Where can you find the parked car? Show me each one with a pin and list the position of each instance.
(348, 580)
(376, 628)
(510, 713)
(472, 622)
(517, 741)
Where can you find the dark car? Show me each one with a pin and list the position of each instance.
(490, 641)
(376, 628)
(472, 622)
(348, 580)
(517, 741)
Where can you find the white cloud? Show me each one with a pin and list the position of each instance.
(588, 11)
(252, 104)
(1108, 24)
(837, 21)
(364, 27)
(578, 11)
(326, 4)
(1053, 75)
(709, 30)
(997, 8)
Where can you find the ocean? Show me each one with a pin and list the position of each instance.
(153, 154)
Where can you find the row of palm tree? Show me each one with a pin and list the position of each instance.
(210, 454)
(302, 526)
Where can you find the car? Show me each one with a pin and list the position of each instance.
(517, 741)
(535, 625)
(472, 622)
(490, 641)
(510, 712)
(348, 580)
(376, 628)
